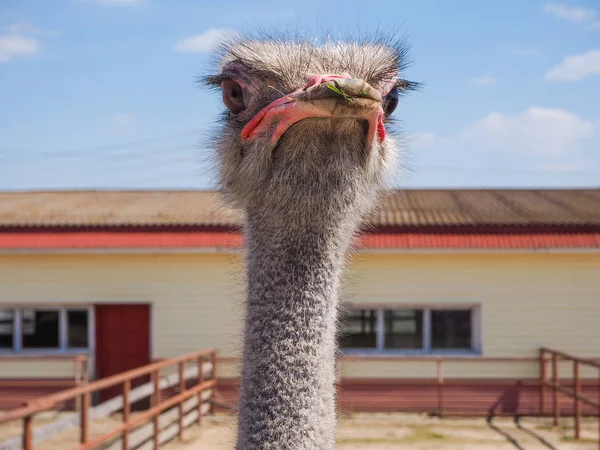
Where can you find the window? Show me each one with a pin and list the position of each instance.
(40, 329)
(403, 329)
(451, 329)
(410, 330)
(44, 329)
(7, 330)
(77, 329)
(359, 329)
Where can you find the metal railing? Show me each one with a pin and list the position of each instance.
(436, 376)
(83, 393)
(554, 357)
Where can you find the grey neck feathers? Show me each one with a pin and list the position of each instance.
(299, 226)
(288, 381)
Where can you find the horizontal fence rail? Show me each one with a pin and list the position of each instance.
(168, 416)
(442, 392)
(557, 387)
(456, 385)
(16, 390)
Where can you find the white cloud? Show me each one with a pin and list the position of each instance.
(114, 2)
(485, 80)
(18, 40)
(202, 43)
(12, 46)
(573, 14)
(570, 13)
(125, 123)
(25, 27)
(537, 130)
(576, 67)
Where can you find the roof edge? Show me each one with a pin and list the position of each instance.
(216, 191)
(368, 229)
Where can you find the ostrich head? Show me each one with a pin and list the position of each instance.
(306, 124)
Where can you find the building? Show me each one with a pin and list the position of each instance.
(459, 286)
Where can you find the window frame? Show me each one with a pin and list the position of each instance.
(380, 350)
(63, 348)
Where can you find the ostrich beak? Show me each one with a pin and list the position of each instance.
(332, 96)
(351, 90)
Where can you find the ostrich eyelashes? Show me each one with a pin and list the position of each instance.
(390, 102)
(233, 96)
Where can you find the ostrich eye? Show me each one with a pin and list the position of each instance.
(233, 96)
(390, 102)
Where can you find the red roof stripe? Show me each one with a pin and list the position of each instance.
(141, 240)
(481, 241)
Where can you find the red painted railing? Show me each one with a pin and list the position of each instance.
(159, 405)
(554, 357)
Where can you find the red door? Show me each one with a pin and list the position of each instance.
(122, 342)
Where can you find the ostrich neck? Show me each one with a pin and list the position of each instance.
(288, 378)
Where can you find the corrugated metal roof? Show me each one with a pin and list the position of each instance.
(460, 207)
(114, 208)
(402, 208)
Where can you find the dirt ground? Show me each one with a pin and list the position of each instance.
(400, 431)
(66, 440)
(371, 431)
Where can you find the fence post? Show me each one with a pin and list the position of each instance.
(156, 402)
(78, 370)
(200, 381)
(440, 386)
(126, 412)
(576, 402)
(85, 408)
(181, 390)
(28, 433)
(213, 360)
(543, 381)
(86, 369)
(555, 381)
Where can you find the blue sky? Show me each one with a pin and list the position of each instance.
(101, 93)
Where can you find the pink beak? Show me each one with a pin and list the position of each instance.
(352, 98)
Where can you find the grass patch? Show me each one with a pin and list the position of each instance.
(585, 440)
(419, 434)
(339, 91)
(366, 440)
(425, 434)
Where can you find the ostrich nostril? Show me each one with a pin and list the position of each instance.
(355, 87)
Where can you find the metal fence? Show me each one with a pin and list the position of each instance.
(191, 376)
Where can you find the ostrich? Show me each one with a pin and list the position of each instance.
(303, 152)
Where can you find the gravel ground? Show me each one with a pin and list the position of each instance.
(400, 431)
(370, 431)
